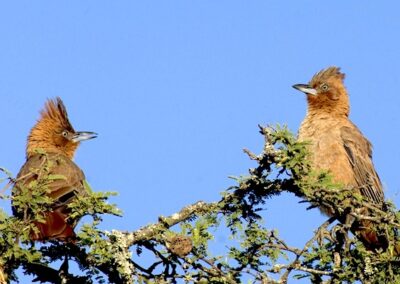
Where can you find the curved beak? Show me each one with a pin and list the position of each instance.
(305, 89)
(83, 135)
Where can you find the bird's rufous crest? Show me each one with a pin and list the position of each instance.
(53, 131)
(326, 74)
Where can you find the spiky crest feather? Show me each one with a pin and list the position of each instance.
(325, 74)
(46, 134)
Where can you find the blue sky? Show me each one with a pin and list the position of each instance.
(176, 89)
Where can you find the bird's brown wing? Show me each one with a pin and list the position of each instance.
(68, 181)
(359, 153)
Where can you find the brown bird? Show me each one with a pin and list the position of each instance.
(337, 145)
(51, 145)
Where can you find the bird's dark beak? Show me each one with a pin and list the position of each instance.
(83, 135)
(305, 89)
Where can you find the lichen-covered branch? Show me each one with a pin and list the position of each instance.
(149, 231)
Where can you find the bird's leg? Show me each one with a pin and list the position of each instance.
(341, 231)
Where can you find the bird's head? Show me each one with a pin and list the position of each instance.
(53, 132)
(326, 92)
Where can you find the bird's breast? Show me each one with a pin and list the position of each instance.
(326, 148)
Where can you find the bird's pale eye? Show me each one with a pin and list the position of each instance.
(324, 87)
(65, 133)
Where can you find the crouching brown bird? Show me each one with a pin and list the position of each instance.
(337, 145)
(51, 145)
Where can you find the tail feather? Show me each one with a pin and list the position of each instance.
(54, 227)
(369, 236)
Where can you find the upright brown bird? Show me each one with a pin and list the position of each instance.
(52, 143)
(338, 146)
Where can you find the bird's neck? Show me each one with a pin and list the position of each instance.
(36, 146)
(326, 113)
(338, 108)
